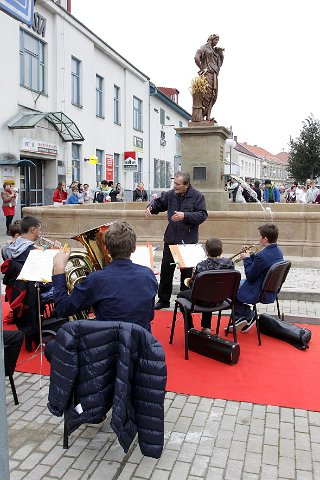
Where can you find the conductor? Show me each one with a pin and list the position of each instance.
(186, 210)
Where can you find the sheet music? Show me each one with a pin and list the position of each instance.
(191, 254)
(143, 255)
(38, 266)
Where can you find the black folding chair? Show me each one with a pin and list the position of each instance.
(216, 287)
(275, 278)
(11, 352)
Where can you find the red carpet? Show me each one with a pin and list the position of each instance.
(274, 374)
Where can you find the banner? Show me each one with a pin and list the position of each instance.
(109, 167)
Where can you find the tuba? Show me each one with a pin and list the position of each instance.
(96, 257)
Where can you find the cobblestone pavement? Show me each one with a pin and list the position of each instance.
(205, 438)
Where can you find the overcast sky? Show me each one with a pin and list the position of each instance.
(269, 81)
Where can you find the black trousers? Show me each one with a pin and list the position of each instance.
(12, 341)
(166, 275)
(206, 316)
(9, 219)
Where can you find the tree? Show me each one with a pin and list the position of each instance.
(304, 154)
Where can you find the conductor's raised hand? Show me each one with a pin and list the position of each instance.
(177, 216)
(60, 261)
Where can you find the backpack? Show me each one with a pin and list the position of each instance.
(98, 197)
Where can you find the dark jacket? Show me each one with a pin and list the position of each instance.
(100, 365)
(193, 204)
(140, 195)
(256, 268)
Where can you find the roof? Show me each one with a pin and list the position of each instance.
(283, 157)
(170, 92)
(168, 101)
(262, 153)
(240, 148)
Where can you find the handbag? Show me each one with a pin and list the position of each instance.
(297, 336)
(213, 346)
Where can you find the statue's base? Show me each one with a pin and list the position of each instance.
(203, 123)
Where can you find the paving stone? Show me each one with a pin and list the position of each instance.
(32, 460)
(199, 466)
(179, 401)
(286, 467)
(259, 411)
(205, 446)
(61, 466)
(215, 473)
(175, 441)
(237, 450)
(252, 462)
(303, 460)
(72, 474)
(302, 475)
(194, 434)
(272, 420)
(166, 461)
(109, 469)
(287, 448)
(301, 424)
(286, 430)
(200, 419)
(180, 471)
(270, 455)
(269, 472)
(254, 444)
(160, 475)
(146, 467)
(224, 438)
(182, 425)
(233, 470)
(219, 457)
(302, 441)
(187, 452)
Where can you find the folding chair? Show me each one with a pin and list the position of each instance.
(274, 279)
(11, 352)
(215, 287)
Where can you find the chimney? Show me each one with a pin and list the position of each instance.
(235, 138)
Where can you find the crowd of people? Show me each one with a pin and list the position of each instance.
(269, 192)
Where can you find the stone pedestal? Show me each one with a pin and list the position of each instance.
(203, 146)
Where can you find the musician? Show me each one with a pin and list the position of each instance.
(214, 261)
(186, 210)
(256, 267)
(30, 233)
(123, 291)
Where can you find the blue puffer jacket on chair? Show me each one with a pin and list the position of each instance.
(99, 365)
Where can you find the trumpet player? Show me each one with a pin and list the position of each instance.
(256, 267)
(214, 261)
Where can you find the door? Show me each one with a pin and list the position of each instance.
(31, 183)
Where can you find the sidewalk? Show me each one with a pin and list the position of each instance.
(205, 438)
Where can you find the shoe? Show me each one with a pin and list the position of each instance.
(238, 323)
(159, 305)
(206, 330)
(249, 325)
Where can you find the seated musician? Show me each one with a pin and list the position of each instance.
(256, 267)
(22, 295)
(123, 291)
(214, 261)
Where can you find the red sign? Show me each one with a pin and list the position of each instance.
(109, 167)
(129, 156)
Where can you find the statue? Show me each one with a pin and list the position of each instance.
(209, 59)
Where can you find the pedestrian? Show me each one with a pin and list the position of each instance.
(186, 210)
(8, 204)
(270, 193)
(60, 194)
(140, 194)
(87, 194)
(73, 197)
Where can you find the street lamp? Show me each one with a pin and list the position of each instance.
(231, 144)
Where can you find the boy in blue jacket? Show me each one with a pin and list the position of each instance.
(256, 267)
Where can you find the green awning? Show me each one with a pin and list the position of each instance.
(67, 129)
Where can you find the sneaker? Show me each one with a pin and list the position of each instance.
(249, 325)
(238, 323)
(159, 305)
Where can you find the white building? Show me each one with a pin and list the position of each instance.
(68, 96)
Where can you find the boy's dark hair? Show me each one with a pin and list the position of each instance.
(214, 247)
(110, 183)
(29, 222)
(257, 184)
(15, 228)
(120, 240)
(104, 182)
(270, 231)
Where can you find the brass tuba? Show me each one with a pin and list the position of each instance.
(96, 257)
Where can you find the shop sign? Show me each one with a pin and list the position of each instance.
(138, 143)
(35, 146)
(130, 161)
(8, 174)
(109, 167)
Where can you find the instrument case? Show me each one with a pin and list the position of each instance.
(213, 346)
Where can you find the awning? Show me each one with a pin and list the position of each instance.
(67, 129)
(24, 162)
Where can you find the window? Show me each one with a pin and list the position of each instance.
(116, 104)
(116, 166)
(162, 173)
(76, 162)
(99, 96)
(138, 173)
(180, 124)
(99, 166)
(75, 81)
(162, 117)
(32, 62)
(137, 114)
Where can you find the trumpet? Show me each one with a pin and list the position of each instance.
(247, 248)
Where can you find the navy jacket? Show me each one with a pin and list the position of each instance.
(100, 365)
(123, 291)
(193, 204)
(256, 268)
